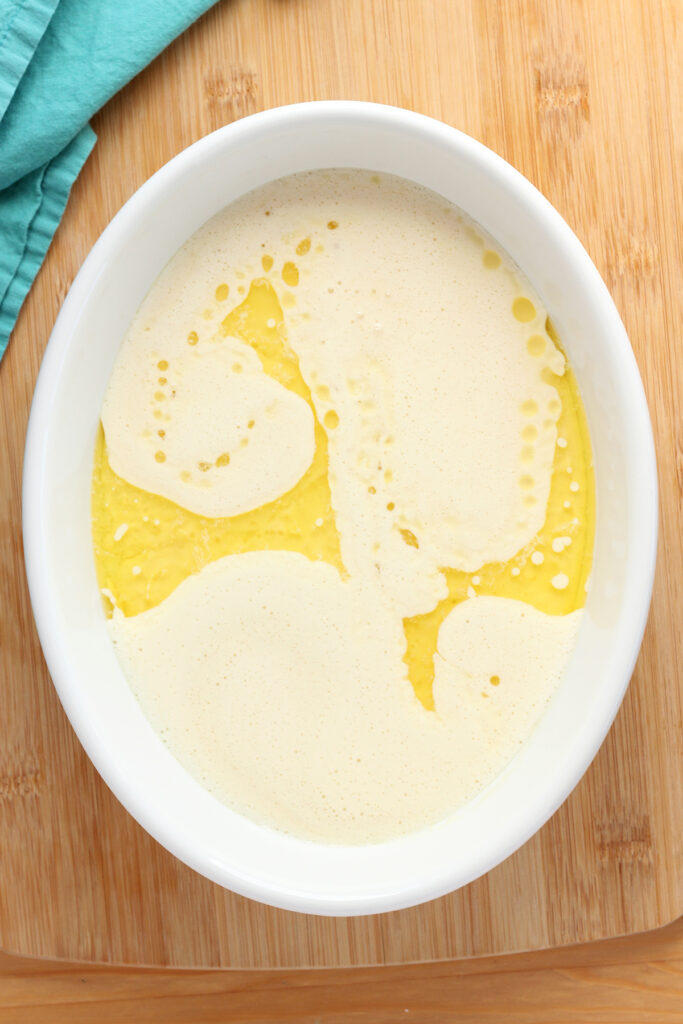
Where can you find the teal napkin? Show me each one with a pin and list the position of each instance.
(60, 60)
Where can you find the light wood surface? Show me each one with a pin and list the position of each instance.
(583, 97)
(638, 980)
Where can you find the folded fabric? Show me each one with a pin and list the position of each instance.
(60, 60)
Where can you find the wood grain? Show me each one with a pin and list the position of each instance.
(638, 980)
(584, 98)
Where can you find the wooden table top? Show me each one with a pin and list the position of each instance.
(637, 980)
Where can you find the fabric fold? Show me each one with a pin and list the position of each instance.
(60, 61)
(30, 211)
(22, 24)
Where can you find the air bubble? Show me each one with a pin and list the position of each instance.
(523, 310)
(536, 345)
(409, 537)
(491, 259)
(290, 274)
(560, 543)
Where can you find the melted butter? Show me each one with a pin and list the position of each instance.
(166, 543)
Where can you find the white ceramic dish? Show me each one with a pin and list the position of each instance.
(176, 810)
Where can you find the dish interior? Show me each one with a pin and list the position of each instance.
(341, 395)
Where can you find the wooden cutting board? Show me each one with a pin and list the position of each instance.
(582, 98)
